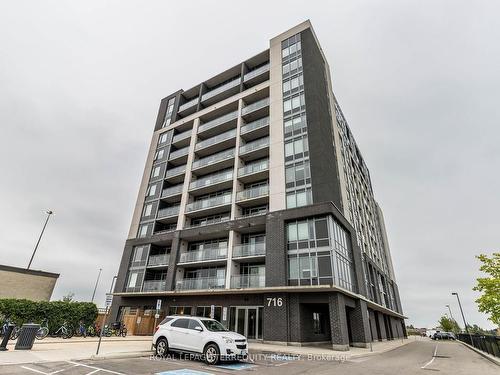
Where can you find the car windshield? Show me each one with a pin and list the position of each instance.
(213, 325)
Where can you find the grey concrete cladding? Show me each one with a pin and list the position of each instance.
(341, 189)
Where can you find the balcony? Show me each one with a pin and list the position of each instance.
(249, 250)
(209, 203)
(203, 255)
(219, 121)
(211, 220)
(256, 73)
(255, 171)
(253, 196)
(182, 139)
(256, 109)
(178, 154)
(158, 260)
(255, 129)
(233, 84)
(154, 286)
(214, 162)
(217, 143)
(176, 174)
(172, 191)
(168, 212)
(255, 149)
(248, 281)
(213, 182)
(188, 104)
(201, 283)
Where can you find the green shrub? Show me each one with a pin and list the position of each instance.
(21, 311)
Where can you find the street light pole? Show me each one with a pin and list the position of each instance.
(463, 317)
(96, 282)
(48, 212)
(451, 315)
(105, 316)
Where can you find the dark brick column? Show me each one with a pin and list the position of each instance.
(276, 257)
(338, 322)
(172, 265)
(373, 326)
(276, 318)
(360, 325)
(381, 323)
(295, 318)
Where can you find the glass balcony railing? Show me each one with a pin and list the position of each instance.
(255, 145)
(251, 126)
(209, 221)
(212, 179)
(178, 153)
(154, 285)
(159, 260)
(217, 139)
(189, 104)
(218, 121)
(255, 106)
(255, 192)
(169, 211)
(256, 72)
(201, 255)
(248, 281)
(182, 136)
(233, 83)
(173, 190)
(212, 159)
(249, 249)
(176, 171)
(262, 165)
(209, 202)
(201, 283)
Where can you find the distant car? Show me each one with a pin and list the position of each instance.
(444, 336)
(205, 336)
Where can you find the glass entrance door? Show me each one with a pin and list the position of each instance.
(248, 322)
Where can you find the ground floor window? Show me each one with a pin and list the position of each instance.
(247, 320)
(318, 323)
(179, 310)
(206, 311)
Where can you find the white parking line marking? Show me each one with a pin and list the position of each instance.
(95, 368)
(433, 357)
(34, 370)
(93, 372)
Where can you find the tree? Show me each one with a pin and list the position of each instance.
(68, 297)
(489, 301)
(448, 324)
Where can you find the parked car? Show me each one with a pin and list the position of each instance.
(444, 336)
(205, 336)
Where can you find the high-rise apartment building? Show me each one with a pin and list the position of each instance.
(256, 207)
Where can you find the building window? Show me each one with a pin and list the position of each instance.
(151, 191)
(143, 230)
(299, 198)
(179, 310)
(156, 172)
(318, 323)
(147, 210)
(205, 311)
(159, 154)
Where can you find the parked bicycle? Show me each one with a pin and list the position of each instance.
(65, 331)
(43, 331)
(81, 331)
(93, 330)
(15, 332)
(118, 329)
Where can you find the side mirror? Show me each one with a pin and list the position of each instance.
(198, 328)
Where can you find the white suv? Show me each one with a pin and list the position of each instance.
(199, 335)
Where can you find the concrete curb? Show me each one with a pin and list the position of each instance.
(79, 341)
(493, 359)
(143, 353)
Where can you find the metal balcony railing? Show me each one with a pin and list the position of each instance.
(158, 260)
(255, 145)
(169, 211)
(233, 83)
(178, 153)
(154, 285)
(201, 255)
(209, 202)
(255, 106)
(176, 171)
(212, 179)
(248, 281)
(189, 104)
(262, 165)
(251, 126)
(183, 135)
(256, 72)
(255, 192)
(173, 190)
(217, 139)
(218, 121)
(215, 158)
(248, 250)
(201, 283)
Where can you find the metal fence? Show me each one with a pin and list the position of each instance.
(488, 344)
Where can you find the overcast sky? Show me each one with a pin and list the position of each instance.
(419, 83)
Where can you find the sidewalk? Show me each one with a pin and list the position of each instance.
(55, 349)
